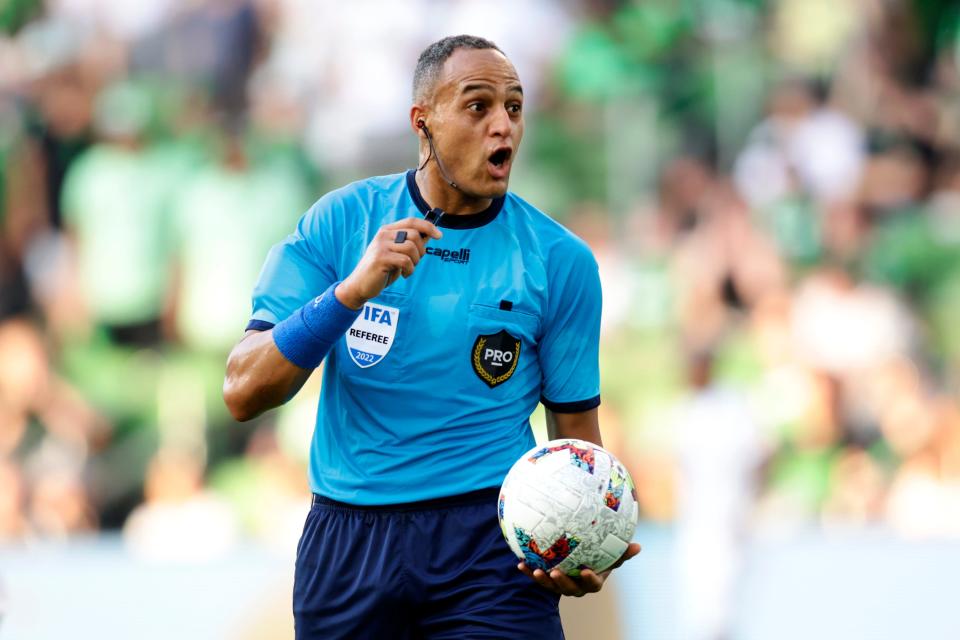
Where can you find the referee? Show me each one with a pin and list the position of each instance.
(430, 378)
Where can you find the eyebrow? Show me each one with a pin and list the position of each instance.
(484, 86)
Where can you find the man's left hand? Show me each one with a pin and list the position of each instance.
(588, 581)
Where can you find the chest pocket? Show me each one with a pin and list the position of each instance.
(503, 348)
(372, 346)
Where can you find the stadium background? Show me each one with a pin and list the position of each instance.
(772, 191)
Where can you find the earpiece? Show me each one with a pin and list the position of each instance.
(422, 124)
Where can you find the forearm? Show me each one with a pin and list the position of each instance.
(258, 377)
(582, 426)
(267, 368)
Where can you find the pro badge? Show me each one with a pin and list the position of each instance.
(495, 357)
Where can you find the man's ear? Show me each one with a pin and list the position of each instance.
(418, 119)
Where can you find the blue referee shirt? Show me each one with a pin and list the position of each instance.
(429, 393)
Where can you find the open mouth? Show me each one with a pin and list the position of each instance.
(500, 157)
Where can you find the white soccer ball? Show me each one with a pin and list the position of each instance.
(570, 505)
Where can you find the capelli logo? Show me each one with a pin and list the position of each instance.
(460, 256)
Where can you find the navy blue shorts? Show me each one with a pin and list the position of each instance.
(432, 569)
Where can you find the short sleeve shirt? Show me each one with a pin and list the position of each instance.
(430, 392)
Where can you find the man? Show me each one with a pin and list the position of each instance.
(426, 400)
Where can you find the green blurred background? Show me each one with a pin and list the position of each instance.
(771, 189)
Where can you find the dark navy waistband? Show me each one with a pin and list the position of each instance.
(479, 496)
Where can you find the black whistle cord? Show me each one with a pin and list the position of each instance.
(433, 154)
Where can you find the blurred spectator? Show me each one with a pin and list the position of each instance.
(116, 204)
(857, 490)
(841, 327)
(720, 452)
(59, 504)
(31, 391)
(226, 217)
(126, 22)
(268, 490)
(179, 520)
(723, 265)
(13, 521)
(211, 44)
(802, 145)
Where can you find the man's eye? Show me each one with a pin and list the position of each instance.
(475, 106)
(515, 108)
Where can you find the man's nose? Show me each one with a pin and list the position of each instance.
(501, 125)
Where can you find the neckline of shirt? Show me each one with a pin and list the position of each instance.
(463, 221)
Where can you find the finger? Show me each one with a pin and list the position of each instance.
(525, 570)
(392, 237)
(632, 550)
(412, 235)
(418, 224)
(541, 578)
(407, 268)
(409, 249)
(590, 581)
(567, 585)
(400, 262)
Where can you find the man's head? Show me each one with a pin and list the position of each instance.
(469, 97)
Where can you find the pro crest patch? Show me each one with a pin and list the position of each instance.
(371, 336)
(495, 357)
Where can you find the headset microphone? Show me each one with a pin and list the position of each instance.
(433, 153)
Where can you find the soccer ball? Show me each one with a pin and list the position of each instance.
(570, 505)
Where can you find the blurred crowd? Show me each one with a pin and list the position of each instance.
(150, 155)
(795, 295)
(772, 191)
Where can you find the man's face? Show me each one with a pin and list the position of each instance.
(477, 120)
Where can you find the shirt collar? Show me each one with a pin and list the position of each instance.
(463, 221)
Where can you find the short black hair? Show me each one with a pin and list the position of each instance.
(432, 58)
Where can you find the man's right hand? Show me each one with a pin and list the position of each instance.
(385, 260)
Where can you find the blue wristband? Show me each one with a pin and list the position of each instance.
(310, 332)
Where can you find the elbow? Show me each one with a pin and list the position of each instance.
(239, 403)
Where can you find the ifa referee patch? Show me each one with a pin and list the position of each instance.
(370, 337)
(495, 357)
